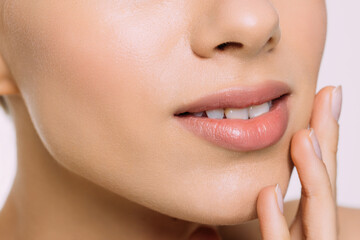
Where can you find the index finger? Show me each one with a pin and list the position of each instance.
(324, 121)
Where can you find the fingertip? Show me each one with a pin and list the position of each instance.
(273, 224)
(305, 144)
(325, 92)
(336, 102)
(327, 108)
(270, 201)
(265, 199)
(279, 198)
(299, 143)
(315, 143)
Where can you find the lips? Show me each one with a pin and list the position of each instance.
(238, 134)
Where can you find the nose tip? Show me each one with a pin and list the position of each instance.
(241, 27)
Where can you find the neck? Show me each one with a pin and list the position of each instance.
(48, 201)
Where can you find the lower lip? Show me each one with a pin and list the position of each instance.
(242, 135)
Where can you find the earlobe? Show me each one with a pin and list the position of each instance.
(8, 85)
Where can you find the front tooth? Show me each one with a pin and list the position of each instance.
(258, 110)
(198, 114)
(216, 113)
(237, 113)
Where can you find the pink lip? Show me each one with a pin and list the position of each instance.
(238, 134)
(238, 97)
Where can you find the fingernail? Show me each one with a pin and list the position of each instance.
(279, 197)
(315, 143)
(336, 102)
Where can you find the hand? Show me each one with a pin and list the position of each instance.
(316, 217)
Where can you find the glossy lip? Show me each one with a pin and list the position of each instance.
(238, 134)
(238, 97)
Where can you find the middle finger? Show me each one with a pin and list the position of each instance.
(318, 209)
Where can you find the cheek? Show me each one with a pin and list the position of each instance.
(97, 98)
(89, 79)
(303, 28)
(86, 69)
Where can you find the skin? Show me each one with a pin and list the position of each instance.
(92, 87)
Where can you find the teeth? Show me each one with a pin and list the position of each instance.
(258, 110)
(198, 114)
(237, 113)
(216, 113)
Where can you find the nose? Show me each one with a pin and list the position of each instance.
(242, 27)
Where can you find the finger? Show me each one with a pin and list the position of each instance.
(326, 110)
(317, 211)
(273, 225)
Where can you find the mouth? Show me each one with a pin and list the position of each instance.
(239, 118)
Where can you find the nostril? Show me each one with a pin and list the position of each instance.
(222, 46)
(271, 44)
(228, 44)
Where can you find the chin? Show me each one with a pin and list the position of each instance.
(225, 201)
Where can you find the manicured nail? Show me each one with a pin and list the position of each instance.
(336, 102)
(315, 143)
(279, 197)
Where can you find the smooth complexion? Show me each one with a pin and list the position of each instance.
(97, 84)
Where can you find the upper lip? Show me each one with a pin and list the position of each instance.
(238, 97)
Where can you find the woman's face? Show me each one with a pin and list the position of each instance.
(102, 79)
